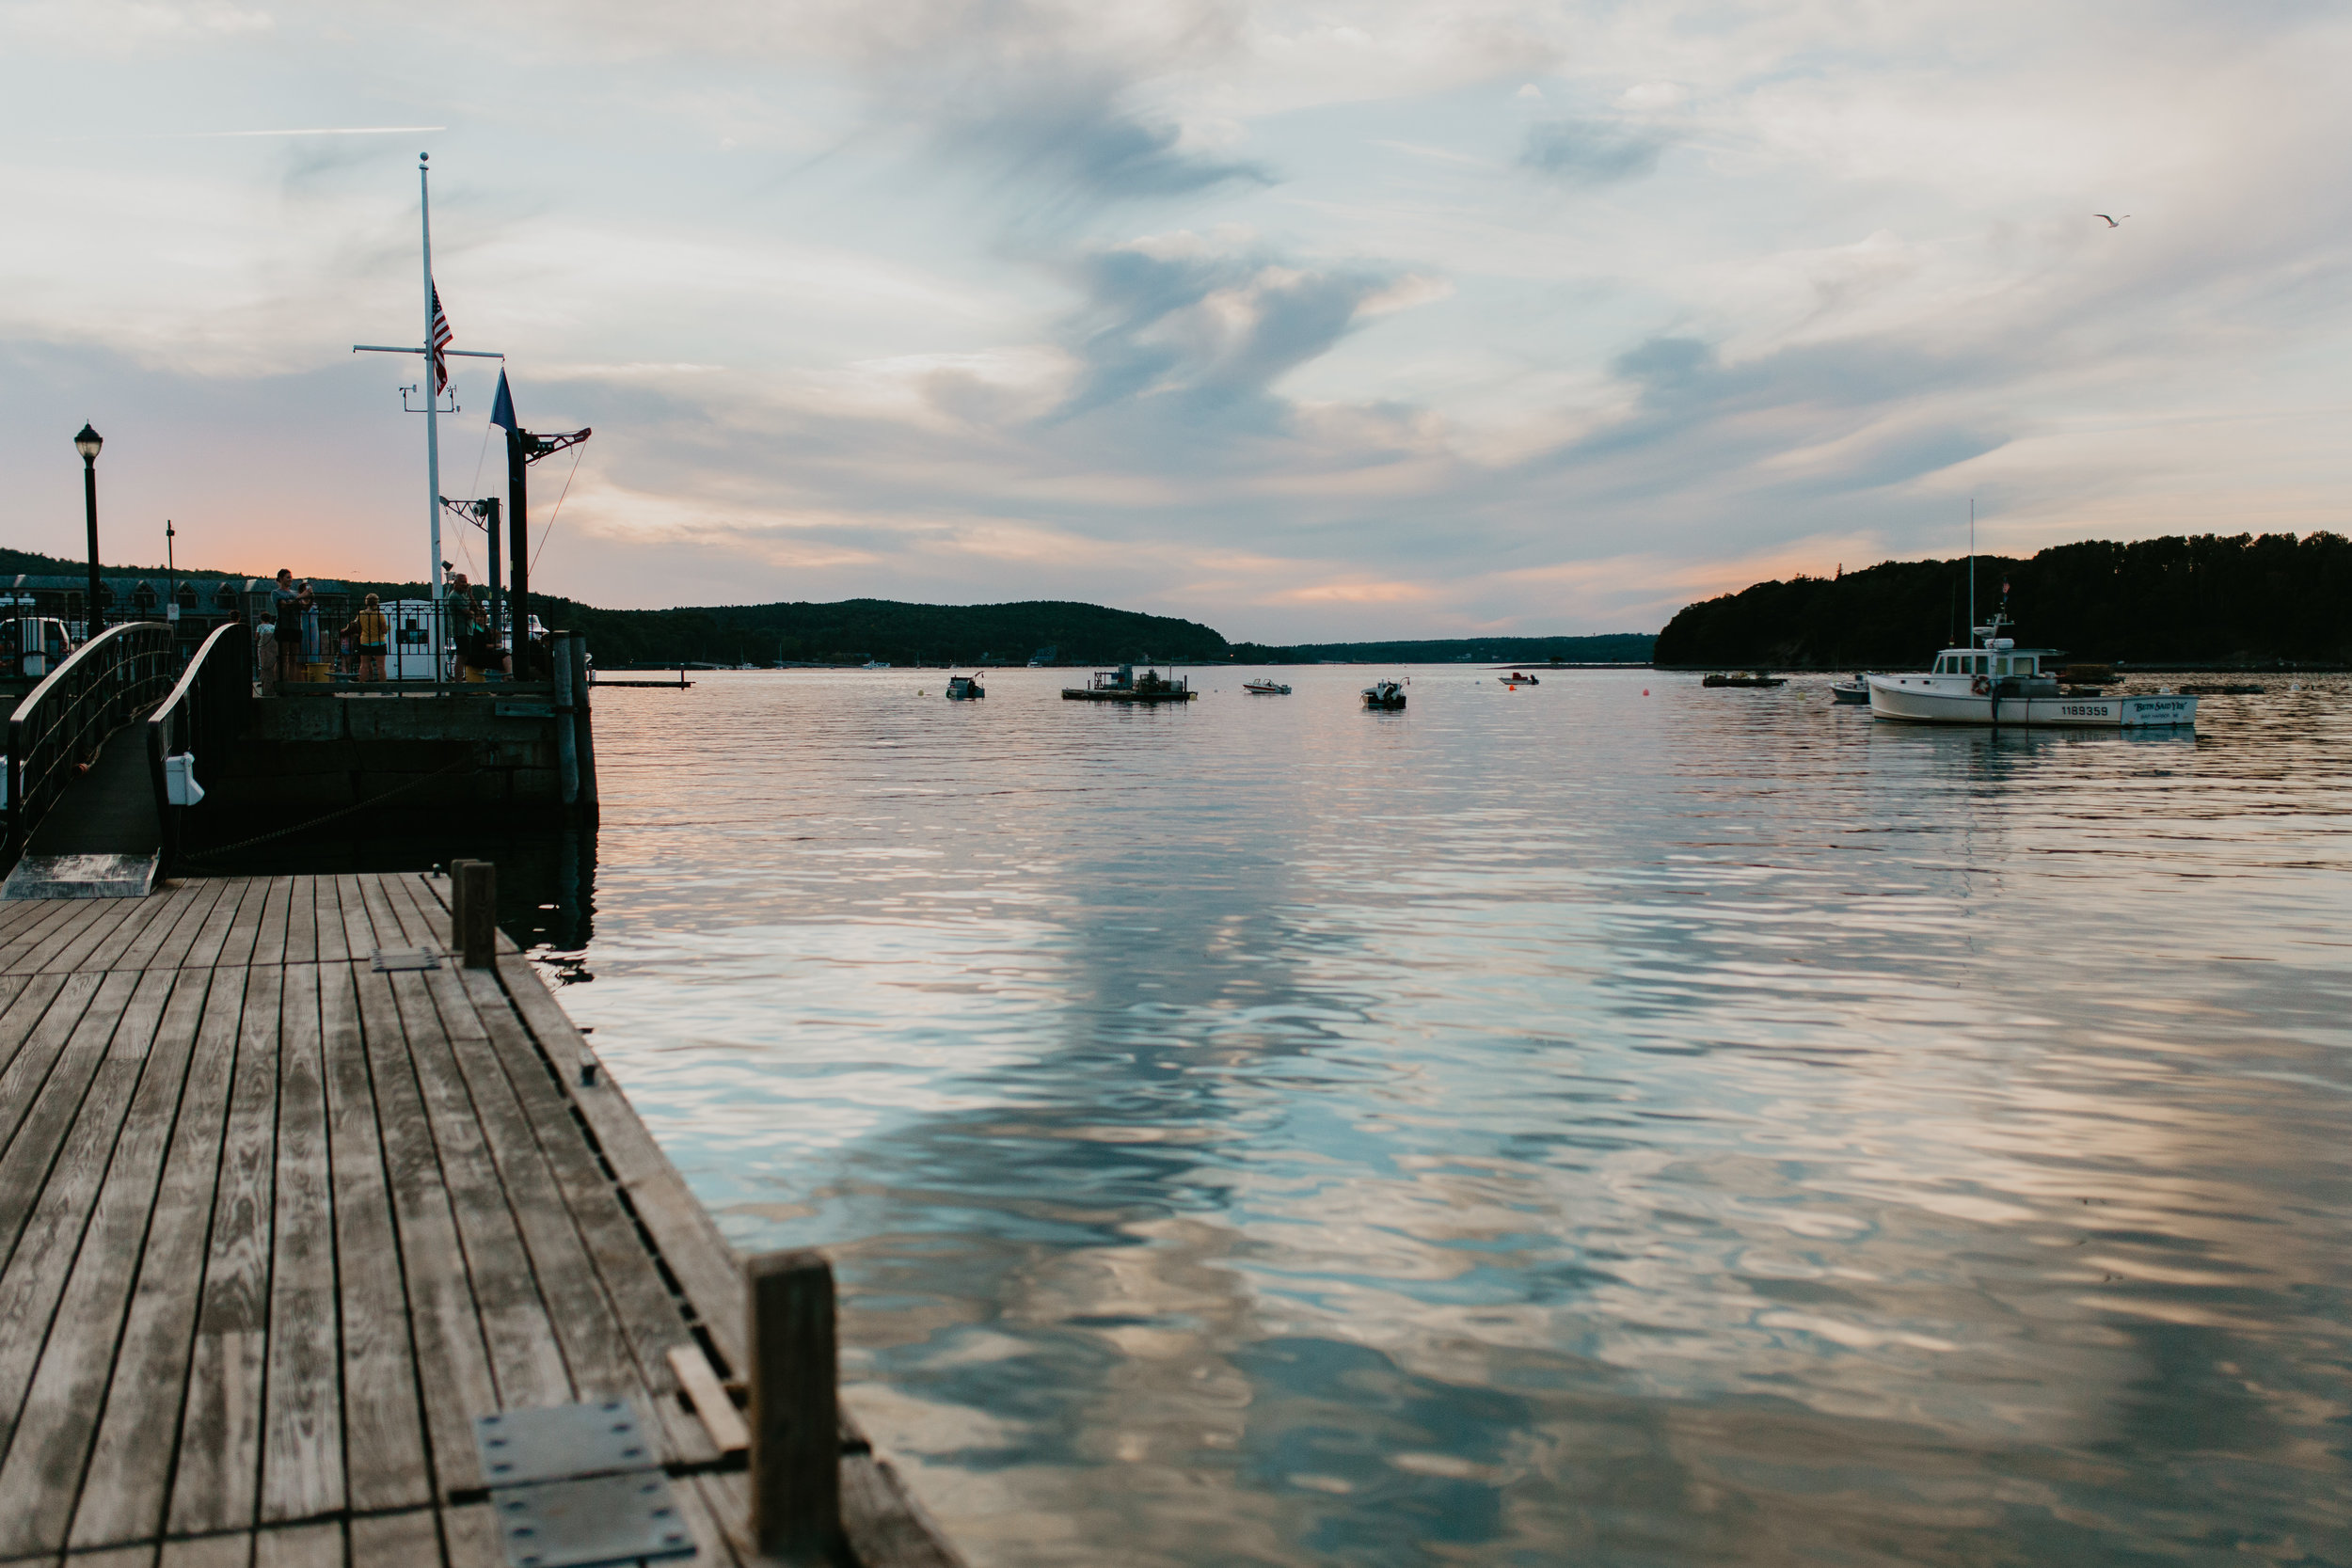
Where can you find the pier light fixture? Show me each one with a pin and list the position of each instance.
(87, 441)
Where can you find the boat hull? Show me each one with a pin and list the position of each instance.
(1911, 699)
(1144, 699)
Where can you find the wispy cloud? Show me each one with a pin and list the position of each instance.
(1593, 152)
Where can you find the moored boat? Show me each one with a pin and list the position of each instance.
(1992, 681)
(964, 688)
(1516, 679)
(1855, 690)
(1265, 688)
(1124, 685)
(1385, 696)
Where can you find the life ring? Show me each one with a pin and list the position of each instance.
(1981, 686)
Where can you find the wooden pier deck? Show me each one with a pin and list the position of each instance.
(276, 1226)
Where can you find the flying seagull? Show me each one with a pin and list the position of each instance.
(2111, 223)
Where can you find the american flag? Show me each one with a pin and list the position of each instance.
(442, 337)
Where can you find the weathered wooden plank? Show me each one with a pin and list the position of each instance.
(211, 1551)
(525, 1360)
(649, 1315)
(596, 1349)
(142, 1556)
(396, 924)
(32, 948)
(699, 1258)
(470, 1536)
(183, 903)
(44, 1468)
(102, 941)
(384, 1462)
(244, 927)
(411, 1540)
(452, 1363)
(359, 935)
(17, 912)
(311, 1545)
(164, 942)
(333, 944)
(130, 1468)
(700, 1383)
(219, 1475)
(302, 1441)
(204, 947)
(511, 1086)
(269, 940)
(302, 923)
(29, 996)
(43, 1103)
(45, 915)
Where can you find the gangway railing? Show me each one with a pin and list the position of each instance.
(200, 720)
(109, 681)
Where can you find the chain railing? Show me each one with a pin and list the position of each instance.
(110, 681)
(195, 725)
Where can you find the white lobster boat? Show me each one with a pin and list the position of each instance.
(1995, 682)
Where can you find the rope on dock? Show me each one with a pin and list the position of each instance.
(468, 764)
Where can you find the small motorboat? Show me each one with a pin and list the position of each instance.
(1265, 688)
(1515, 678)
(1384, 696)
(964, 688)
(1855, 690)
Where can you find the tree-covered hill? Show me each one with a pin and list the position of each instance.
(1628, 647)
(2207, 598)
(855, 631)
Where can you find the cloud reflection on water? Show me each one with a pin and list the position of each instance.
(1683, 1131)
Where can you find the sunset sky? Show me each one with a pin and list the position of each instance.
(1311, 322)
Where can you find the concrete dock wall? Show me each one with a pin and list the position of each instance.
(316, 753)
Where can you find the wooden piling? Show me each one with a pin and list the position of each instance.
(796, 1421)
(566, 731)
(475, 917)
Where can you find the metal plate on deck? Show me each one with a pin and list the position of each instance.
(570, 1524)
(562, 1441)
(390, 959)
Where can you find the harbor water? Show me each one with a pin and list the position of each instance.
(1609, 1122)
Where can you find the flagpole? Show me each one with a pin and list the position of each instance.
(431, 392)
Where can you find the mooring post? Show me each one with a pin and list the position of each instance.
(583, 725)
(796, 1421)
(457, 905)
(475, 912)
(566, 753)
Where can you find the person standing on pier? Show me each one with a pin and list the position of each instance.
(287, 606)
(370, 632)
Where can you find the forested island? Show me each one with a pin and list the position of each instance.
(2208, 598)
(1626, 647)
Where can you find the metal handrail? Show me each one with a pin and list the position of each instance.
(105, 683)
(208, 707)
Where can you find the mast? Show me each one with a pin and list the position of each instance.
(1972, 568)
(431, 392)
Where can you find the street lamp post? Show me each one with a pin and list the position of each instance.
(86, 443)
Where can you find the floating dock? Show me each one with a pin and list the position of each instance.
(292, 1198)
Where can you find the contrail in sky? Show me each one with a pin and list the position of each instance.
(318, 131)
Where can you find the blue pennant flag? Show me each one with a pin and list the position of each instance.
(502, 407)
